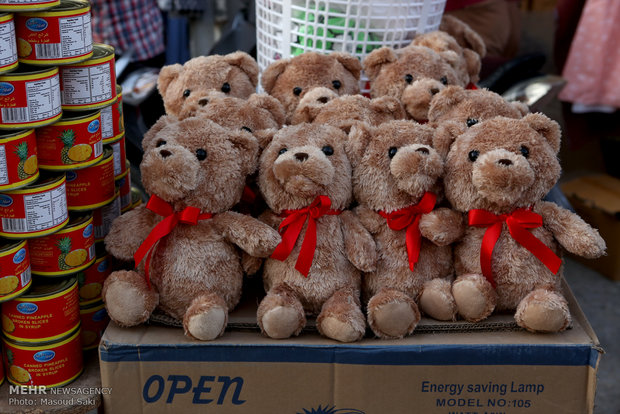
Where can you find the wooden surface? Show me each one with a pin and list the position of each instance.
(80, 396)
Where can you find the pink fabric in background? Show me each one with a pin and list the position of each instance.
(593, 65)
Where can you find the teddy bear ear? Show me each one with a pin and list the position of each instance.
(350, 63)
(247, 146)
(521, 107)
(359, 138)
(376, 59)
(244, 62)
(473, 64)
(463, 34)
(264, 137)
(311, 104)
(150, 135)
(445, 135)
(270, 104)
(272, 72)
(388, 105)
(546, 127)
(166, 75)
(444, 101)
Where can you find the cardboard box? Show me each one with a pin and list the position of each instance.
(492, 367)
(596, 199)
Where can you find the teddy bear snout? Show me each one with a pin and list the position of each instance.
(416, 168)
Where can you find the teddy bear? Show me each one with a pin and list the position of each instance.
(184, 87)
(496, 174)
(185, 241)
(322, 105)
(396, 181)
(413, 75)
(305, 178)
(289, 80)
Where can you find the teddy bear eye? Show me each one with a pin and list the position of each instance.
(473, 155)
(392, 152)
(408, 78)
(160, 143)
(296, 91)
(471, 122)
(336, 84)
(244, 128)
(327, 150)
(226, 87)
(282, 151)
(201, 154)
(444, 80)
(186, 93)
(525, 151)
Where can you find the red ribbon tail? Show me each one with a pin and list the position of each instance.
(308, 246)
(162, 229)
(491, 235)
(413, 242)
(540, 250)
(289, 230)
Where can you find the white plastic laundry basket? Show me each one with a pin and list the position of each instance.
(286, 28)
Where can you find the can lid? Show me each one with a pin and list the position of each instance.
(101, 50)
(10, 134)
(6, 244)
(25, 69)
(77, 115)
(43, 344)
(66, 5)
(86, 307)
(136, 195)
(44, 180)
(42, 288)
(77, 219)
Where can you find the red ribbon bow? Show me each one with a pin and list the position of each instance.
(518, 222)
(291, 227)
(471, 86)
(409, 218)
(189, 215)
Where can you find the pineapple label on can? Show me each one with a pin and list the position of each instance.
(56, 36)
(48, 312)
(27, 5)
(36, 210)
(73, 142)
(93, 186)
(104, 216)
(112, 119)
(19, 164)
(120, 158)
(65, 252)
(89, 84)
(29, 97)
(94, 321)
(8, 45)
(90, 281)
(49, 364)
(124, 186)
(15, 277)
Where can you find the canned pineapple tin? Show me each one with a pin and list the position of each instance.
(92, 187)
(1, 367)
(94, 321)
(48, 312)
(15, 278)
(136, 197)
(18, 159)
(49, 364)
(124, 188)
(65, 252)
(90, 84)
(29, 97)
(73, 142)
(104, 216)
(8, 45)
(90, 280)
(112, 119)
(120, 158)
(36, 210)
(27, 5)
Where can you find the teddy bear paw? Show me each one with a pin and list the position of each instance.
(437, 301)
(474, 296)
(334, 328)
(281, 322)
(543, 311)
(394, 320)
(127, 298)
(207, 325)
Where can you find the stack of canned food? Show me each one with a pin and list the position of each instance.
(61, 112)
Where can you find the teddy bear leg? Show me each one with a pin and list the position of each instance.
(341, 317)
(206, 317)
(543, 311)
(127, 298)
(474, 296)
(392, 314)
(280, 314)
(437, 301)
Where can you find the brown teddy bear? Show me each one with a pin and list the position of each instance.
(496, 173)
(413, 75)
(184, 87)
(195, 170)
(305, 177)
(324, 106)
(396, 180)
(289, 80)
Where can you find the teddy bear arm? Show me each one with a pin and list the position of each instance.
(128, 231)
(359, 244)
(571, 231)
(249, 234)
(442, 226)
(250, 264)
(369, 219)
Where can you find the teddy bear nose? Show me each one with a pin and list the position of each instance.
(323, 99)
(505, 162)
(423, 150)
(301, 156)
(434, 91)
(203, 101)
(165, 153)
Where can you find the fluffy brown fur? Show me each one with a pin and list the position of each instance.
(500, 165)
(393, 166)
(339, 72)
(195, 270)
(301, 163)
(184, 88)
(413, 75)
